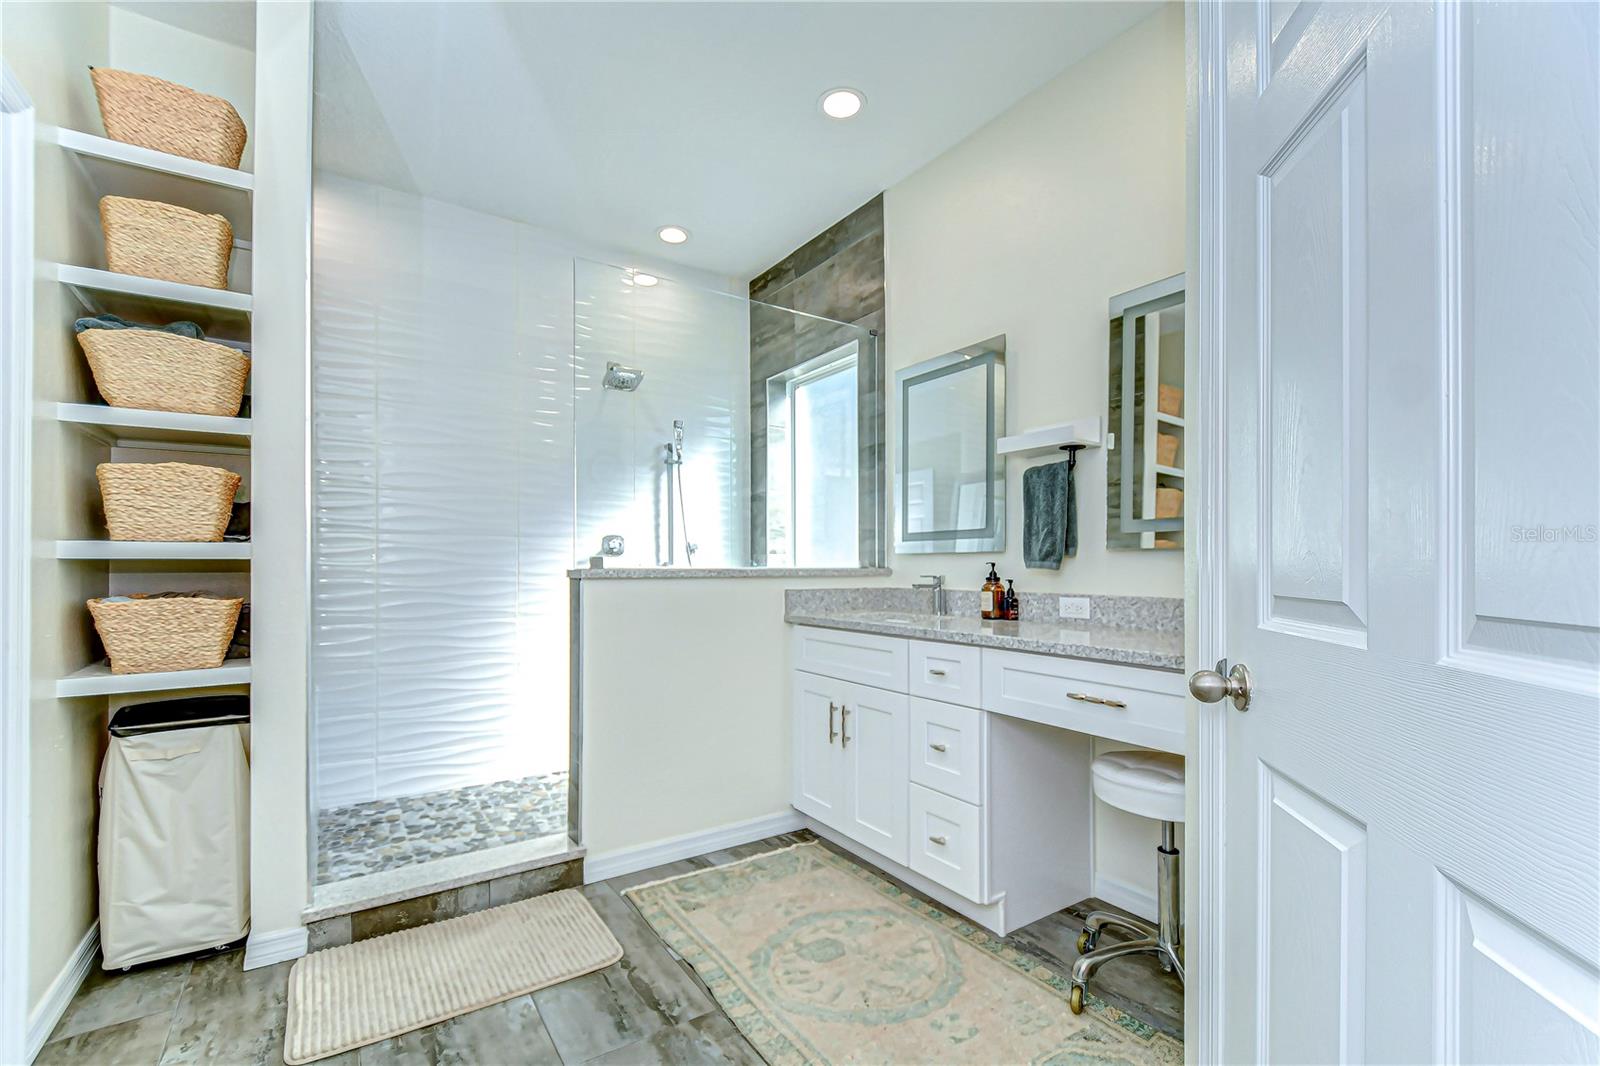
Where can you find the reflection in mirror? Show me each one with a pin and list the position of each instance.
(1145, 447)
(950, 484)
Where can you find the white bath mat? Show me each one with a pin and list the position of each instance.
(347, 997)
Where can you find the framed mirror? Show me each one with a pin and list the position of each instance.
(950, 483)
(1145, 445)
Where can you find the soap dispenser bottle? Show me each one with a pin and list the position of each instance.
(1013, 611)
(991, 598)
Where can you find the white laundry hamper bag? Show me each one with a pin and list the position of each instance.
(174, 848)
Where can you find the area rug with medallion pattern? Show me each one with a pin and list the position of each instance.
(818, 960)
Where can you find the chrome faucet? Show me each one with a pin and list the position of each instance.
(936, 583)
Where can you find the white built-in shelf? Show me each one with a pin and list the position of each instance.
(131, 427)
(1085, 432)
(98, 680)
(222, 313)
(153, 550)
(117, 169)
(1169, 471)
(1171, 420)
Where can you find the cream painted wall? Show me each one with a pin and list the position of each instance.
(1027, 228)
(48, 46)
(686, 705)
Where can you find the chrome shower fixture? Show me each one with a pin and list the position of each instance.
(622, 378)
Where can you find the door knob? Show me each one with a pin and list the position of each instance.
(1212, 686)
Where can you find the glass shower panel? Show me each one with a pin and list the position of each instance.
(685, 352)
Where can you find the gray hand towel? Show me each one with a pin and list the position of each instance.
(1049, 515)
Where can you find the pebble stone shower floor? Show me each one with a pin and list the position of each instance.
(367, 838)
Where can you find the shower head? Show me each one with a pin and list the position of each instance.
(622, 378)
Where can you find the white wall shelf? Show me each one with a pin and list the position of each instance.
(1169, 471)
(223, 313)
(1085, 432)
(98, 680)
(117, 169)
(139, 550)
(130, 427)
(1171, 420)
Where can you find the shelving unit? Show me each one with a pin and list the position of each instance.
(223, 314)
(98, 680)
(127, 427)
(108, 167)
(154, 551)
(117, 169)
(1171, 420)
(1169, 471)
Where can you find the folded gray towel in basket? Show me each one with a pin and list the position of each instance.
(110, 321)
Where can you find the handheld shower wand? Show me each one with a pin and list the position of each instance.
(674, 462)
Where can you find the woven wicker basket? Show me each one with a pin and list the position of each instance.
(166, 501)
(158, 371)
(149, 112)
(149, 633)
(156, 240)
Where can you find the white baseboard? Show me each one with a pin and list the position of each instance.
(42, 1021)
(631, 860)
(1129, 897)
(264, 948)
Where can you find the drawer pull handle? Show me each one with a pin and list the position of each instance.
(844, 718)
(832, 733)
(937, 840)
(938, 747)
(935, 671)
(1084, 697)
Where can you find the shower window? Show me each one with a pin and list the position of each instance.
(813, 467)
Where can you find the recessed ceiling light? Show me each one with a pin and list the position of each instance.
(673, 234)
(843, 103)
(647, 280)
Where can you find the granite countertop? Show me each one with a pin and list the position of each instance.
(1159, 649)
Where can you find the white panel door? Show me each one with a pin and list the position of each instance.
(819, 778)
(874, 731)
(1410, 313)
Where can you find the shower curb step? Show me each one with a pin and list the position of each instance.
(432, 891)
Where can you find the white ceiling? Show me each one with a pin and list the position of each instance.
(605, 121)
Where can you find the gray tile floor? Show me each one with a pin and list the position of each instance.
(648, 1008)
(367, 838)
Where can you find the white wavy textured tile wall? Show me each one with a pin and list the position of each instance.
(442, 496)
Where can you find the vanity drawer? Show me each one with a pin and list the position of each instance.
(947, 842)
(948, 672)
(865, 658)
(1144, 707)
(947, 747)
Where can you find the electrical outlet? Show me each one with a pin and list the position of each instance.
(1075, 607)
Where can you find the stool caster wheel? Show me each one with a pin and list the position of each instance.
(1087, 940)
(1075, 999)
(1166, 964)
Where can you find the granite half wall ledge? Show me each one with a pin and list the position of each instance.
(585, 573)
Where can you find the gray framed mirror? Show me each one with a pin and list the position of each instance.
(1145, 446)
(950, 484)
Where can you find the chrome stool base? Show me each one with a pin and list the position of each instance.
(1163, 940)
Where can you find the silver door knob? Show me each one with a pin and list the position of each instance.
(1212, 686)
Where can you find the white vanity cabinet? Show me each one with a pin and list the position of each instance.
(964, 771)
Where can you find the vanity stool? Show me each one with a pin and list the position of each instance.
(1149, 784)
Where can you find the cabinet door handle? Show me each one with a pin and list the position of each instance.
(844, 719)
(935, 671)
(1084, 697)
(938, 747)
(936, 840)
(832, 734)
